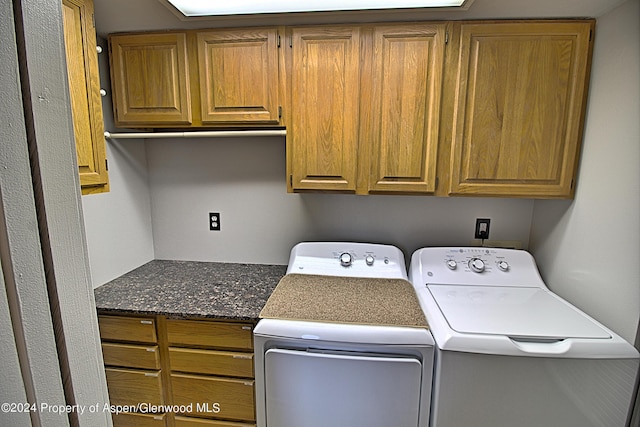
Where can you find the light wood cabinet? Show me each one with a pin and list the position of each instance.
(150, 79)
(325, 92)
(519, 107)
(238, 72)
(365, 104)
(205, 367)
(133, 367)
(406, 90)
(196, 78)
(84, 91)
(212, 364)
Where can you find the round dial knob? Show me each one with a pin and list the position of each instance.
(346, 259)
(369, 259)
(476, 264)
(452, 264)
(503, 265)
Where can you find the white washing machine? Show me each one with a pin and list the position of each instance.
(335, 349)
(512, 353)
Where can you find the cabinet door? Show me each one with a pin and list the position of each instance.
(325, 80)
(84, 91)
(407, 84)
(150, 80)
(519, 109)
(239, 75)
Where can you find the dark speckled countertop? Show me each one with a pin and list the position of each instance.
(192, 289)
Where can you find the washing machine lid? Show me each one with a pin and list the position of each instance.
(514, 312)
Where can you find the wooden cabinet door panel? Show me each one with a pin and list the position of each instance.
(150, 79)
(130, 387)
(325, 94)
(122, 328)
(210, 334)
(235, 397)
(407, 85)
(224, 363)
(139, 420)
(239, 75)
(201, 422)
(519, 110)
(131, 356)
(84, 91)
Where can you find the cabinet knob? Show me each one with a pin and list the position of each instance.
(103, 92)
(99, 49)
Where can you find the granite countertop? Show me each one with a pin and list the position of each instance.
(192, 289)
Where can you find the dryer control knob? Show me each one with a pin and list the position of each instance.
(452, 264)
(476, 265)
(346, 259)
(369, 259)
(503, 265)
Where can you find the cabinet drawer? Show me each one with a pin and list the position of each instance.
(129, 386)
(139, 420)
(210, 334)
(197, 422)
(224, 363)
(235, 397)
(131, 356)
(135, 329)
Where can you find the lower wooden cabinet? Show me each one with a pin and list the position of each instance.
(197, 372)
(195, 422)
(139, 420)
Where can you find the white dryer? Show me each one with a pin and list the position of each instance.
(343, 342)
(512, 353)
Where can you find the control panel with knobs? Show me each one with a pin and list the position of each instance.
(474, 266)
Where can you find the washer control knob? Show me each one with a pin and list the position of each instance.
(476, 265)
(346, 259)
(369, 259)
(503, 265)
(452, 264)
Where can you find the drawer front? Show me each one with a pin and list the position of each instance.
(210, 334)
(198, 422)
(139, 420)
(210, 362)
(134, 329)
(131, 356)
(130, 387)
(235, 397)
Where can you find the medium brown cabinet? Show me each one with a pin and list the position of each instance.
(196, 78)
(519, 107)
(150, 79)
(205, 367)
(367, 125)
(84, 91)
(325, 93)
(404, 109)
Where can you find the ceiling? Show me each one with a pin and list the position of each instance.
(144, 15)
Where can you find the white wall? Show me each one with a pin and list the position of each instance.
(589, 250)
(245, 180)
(118, 223)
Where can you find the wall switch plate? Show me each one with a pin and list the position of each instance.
(214, 221)
(482, 228)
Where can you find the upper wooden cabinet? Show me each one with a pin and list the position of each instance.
(406, 90)
(519, 107)
(150, 79)
(238, 72)
(196, 78)
(369, 125)
(325, 94)
(84, 91)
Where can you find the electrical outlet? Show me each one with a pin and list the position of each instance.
(214, 221)
(482, 228)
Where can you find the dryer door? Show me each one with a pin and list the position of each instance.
(341, 389)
